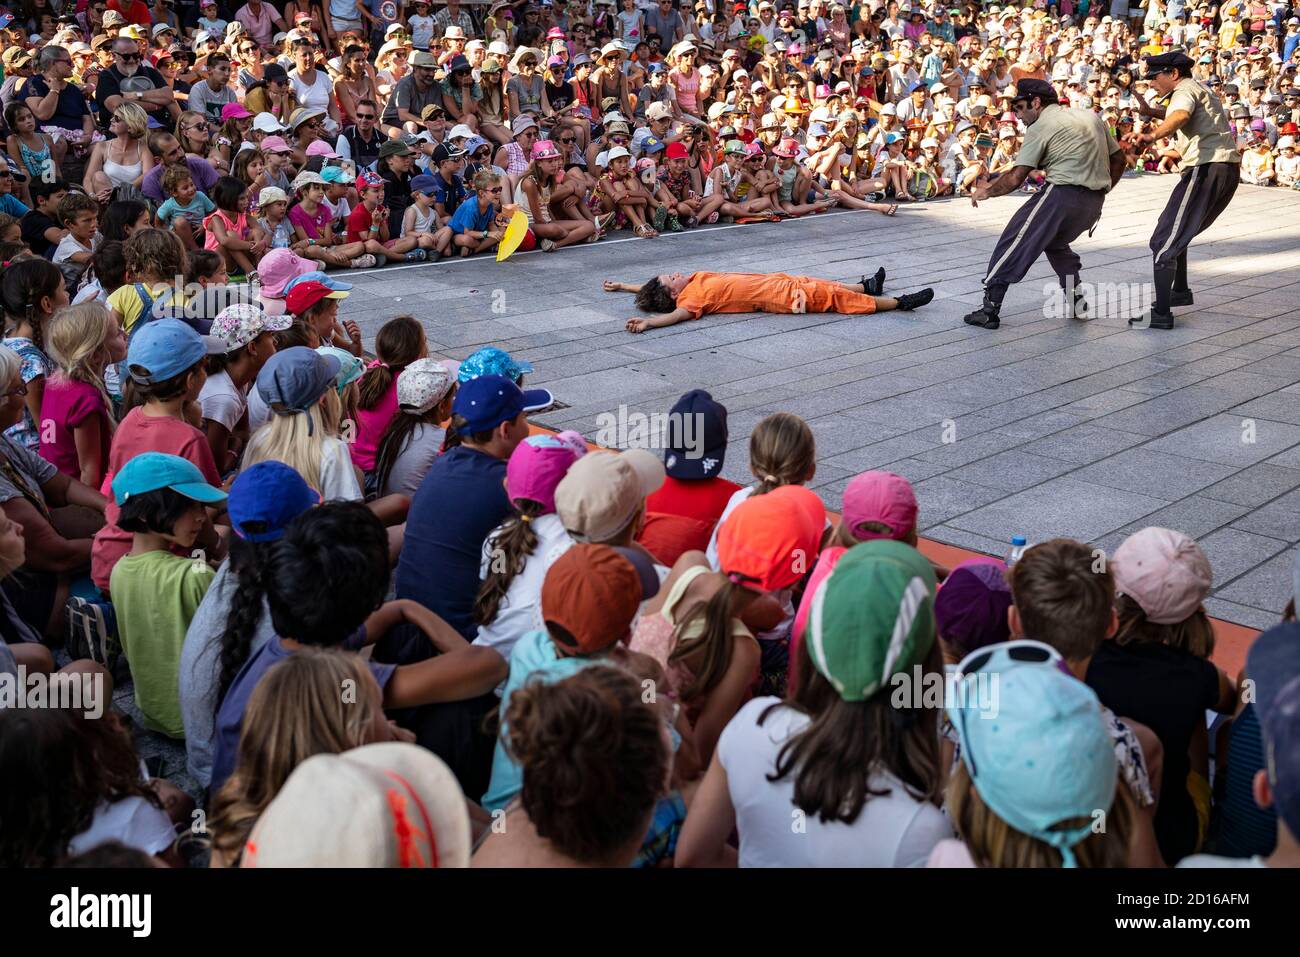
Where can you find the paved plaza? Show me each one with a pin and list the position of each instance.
(1044, 427)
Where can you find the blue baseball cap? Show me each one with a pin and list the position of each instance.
(1036, 749)
(334, 285)
(475, 143)
(1273, 661)
(654, 68)
(492, 361)
(424, 183)
(151, 471)
(817, 129)
(164, 348)
(268, 496)
(337, 174)
(488, 400)
(294, 379)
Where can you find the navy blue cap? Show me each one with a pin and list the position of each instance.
(487, 401)
(294, 379)
(424, 183)
(696, 442)
(270, 494)
(1272, 661)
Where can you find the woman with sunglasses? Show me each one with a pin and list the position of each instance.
(391, 67)
(312, 86)
(461, 93)
(608, 79)
(858, 766)
(559, 104)
(524, 89)
(492, 106)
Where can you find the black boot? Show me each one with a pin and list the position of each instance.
(986, 316)
(914, 300)
(1076, 303)
(1158, 316)
(1181, 294)
(874, 285)
(1152, 319)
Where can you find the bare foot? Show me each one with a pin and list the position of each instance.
(637, 325)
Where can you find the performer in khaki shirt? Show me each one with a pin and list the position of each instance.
(1211, 169)
(1081, 161)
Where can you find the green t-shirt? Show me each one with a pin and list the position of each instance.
(155, 596)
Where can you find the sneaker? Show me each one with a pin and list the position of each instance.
(690, 222)
(548, 245)
(416, 256)
(914, 300)
(983, 317)
(875, 284)
(1181, 297)
(363, 262)
(92, 634)
(1152, 320)
(660, 217)
(674, 224)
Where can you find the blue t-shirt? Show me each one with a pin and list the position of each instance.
(533, 659)
(195, 212)
(452, 194)
(461, 499)
(231, 713)
(14, 207)
(467, 216)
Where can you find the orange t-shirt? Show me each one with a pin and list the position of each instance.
(710, 292)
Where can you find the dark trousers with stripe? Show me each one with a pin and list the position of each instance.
(1044, 225)
(1202, 193)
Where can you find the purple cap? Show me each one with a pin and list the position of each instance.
(537, 465)
(971, 607)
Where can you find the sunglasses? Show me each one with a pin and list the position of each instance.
(571, 139)
(494, 189)
(127, 57)
(619, 140)
(366, 116)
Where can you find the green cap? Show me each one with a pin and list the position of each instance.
(735, 146)
(872, 617)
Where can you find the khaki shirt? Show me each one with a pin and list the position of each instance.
(1207, 136)
(1072, 147)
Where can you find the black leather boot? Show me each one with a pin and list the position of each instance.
(986, 316)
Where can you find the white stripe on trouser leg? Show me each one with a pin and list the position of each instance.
(1020, 235)
(1178, 218)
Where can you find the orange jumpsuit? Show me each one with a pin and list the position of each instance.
(709, 292)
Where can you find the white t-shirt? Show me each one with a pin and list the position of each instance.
(222, 401)
(521, 610)
(338, 479)
(1213, 860)
(892, 830)
(133, 821)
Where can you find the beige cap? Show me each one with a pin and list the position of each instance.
(602, 492)
(382, 805)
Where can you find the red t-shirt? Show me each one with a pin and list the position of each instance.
(359, 222)
(136, 11)
(143, 433)
(680, 517)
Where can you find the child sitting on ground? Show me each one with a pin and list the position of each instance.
(155, 259)
(246, 332)
(399, 342)
(80, 217)
(161, 501)
(76, 409)
(186, 207)
(477, 225)
(414, 437)
(273, 217)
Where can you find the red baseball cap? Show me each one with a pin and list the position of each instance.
(675, 151)
(306, 294)
(771, 540)
(593, 592)
(881, 497)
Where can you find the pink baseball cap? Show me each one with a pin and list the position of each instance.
(320, 148)
(275, 144)
(1164, 571)
(278, 268)
(234, 111)
(537, 465)
(879, 497)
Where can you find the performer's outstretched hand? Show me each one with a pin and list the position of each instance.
(637, 324)
(611, 286)
(978, 193)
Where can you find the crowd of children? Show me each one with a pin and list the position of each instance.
(212, 495)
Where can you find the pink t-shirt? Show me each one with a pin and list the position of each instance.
(826, 562)
(950, 853)
(136, 434)
(312, 225)
(68, 403)
(371, 426)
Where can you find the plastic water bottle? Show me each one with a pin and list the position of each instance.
(1017, 549)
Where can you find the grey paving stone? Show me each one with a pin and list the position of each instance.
(1267, 586)
(942, 497)
(1276, 406)
(1233, 552)
(1011, 471)
(1151, 472)
(1255, 485)
(1229, 440)
(969, 449)
(1241, 614)
(1061, 506)
(1082, 444)
(964, 539)
(1280, 518)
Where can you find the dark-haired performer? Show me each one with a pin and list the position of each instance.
(1210, 170)
(674, 297)
(1081, 161)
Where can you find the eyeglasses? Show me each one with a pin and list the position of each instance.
(494, 189)
(619, 140)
